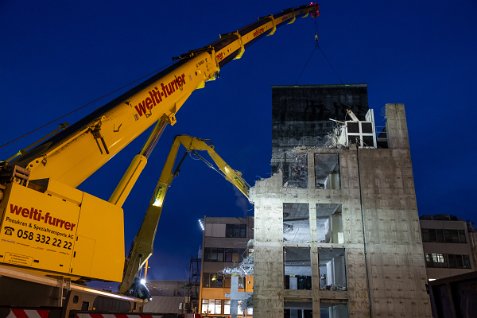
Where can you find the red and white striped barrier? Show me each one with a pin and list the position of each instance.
(136, 315)
(28, 313)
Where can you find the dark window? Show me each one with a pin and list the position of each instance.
(466, 261)
(236, 230)
(451, 236)
(455, 261)
(353, 140)
(234, 255)
(426, 236)
(212, 254)
(439, 236)
(368, 141)
(353, 127)
(298, 313)
(367, 128)
(443, 236)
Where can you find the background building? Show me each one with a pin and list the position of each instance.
(447, 246)
(168, 297)
(454, 297)
(336, 228)
(224, 245)
(171, 297)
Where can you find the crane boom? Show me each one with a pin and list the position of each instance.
(142, 246)
(77, 152)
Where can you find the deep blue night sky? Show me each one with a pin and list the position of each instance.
(58, 55)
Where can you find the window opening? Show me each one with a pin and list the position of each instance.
(296, 222)
(297, 263)
(327, 171)
(332, 269)
(329, 223)
(295, 309)
(331, 309)
(295, 170)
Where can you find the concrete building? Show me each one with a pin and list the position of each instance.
(447, 246)
(336, 226)
(224, 245)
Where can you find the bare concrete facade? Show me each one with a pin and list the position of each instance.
(372, 248)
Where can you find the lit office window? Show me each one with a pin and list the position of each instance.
(438, 258)
(226, 307)
(212, 306)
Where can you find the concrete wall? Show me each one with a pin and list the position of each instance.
(383, 251)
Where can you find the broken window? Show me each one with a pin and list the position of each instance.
(333, 309)
(298, 309)
(329, 223)
(296, 223)
(295, 170)
(297, 263)
(332, 268)
(327, 171)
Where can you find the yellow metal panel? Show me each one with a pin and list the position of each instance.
(37, 230)
(54, 234)
(99, 249)
(63, 191)
(215, 293)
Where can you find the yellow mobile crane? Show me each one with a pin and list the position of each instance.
(142, 246)
(51, 228)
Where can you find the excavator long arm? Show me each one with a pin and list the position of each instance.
(142, 246)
